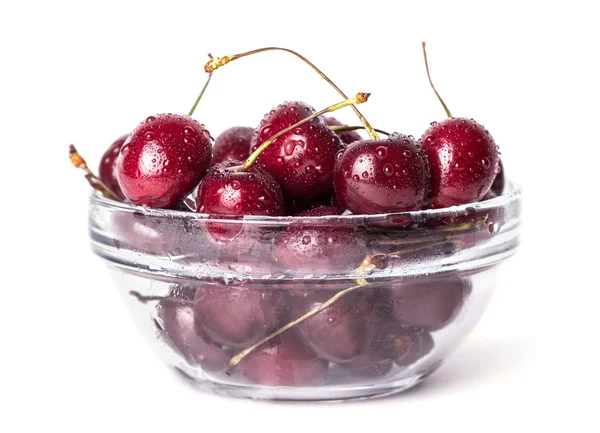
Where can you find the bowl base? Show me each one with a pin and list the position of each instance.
(323, 394)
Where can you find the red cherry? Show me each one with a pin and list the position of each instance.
(107, 171)
(347, 137)
(301, 160)
(284, 361)
(163, 160)
(177, 321)
(463, 161)
(318, 249)
(380, 176)
(225, 191)
(341, 332)
(238, 316)
(428, 304)
(233, 144)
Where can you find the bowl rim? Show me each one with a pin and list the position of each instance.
(512, 193)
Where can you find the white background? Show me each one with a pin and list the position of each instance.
(87, 72)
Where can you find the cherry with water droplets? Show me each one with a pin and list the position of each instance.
(233, 144)
(463, 158)
(380, 176)
(301, 160)
(107, 171)
(318, 248)
(163, 160)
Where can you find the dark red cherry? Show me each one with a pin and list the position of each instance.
(176, 319)
(301, 160)
(284, 361)
(430, 304)
(233, 144)
(463, 160)
(226, 191)
(107, 171)
(238, 316)
(380, 176)
(411, 345)
(341, 332)
(347, 137)
(318, 249)
(163, 160)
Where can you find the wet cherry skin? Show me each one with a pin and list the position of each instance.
(463, 160)
(380, 176)
(301, 160)
(107, 171)
(233, 144)
(163, 160)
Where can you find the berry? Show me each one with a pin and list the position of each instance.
(380, 176)
(301, 160)
(463, 160)
(107, 171)
(347, 137)
(341, 332)
(238, 316)
(284, 361)
(429, 304)
(163, 160)
(232, 145)
(176, 319)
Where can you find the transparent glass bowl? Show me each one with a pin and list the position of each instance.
(408, 288)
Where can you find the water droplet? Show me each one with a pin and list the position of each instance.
(310, 169)
(429, 139)
(237, 207)
(236, 185)
(339, 154)
(290, 146)
(306, 240)
(279, 160)
(293, 108)
(266, 131)
(317, 149)
(356, 178)
(297, 164)
(332, 321)
(404, 171)
(433, 123)
(407, 153)
(188, 130)
(470, 154)
(153, 160)
(498, 169)
(459, 167)
(319, 168)
(189, 140)
(298, 131)
(381, 152)
(388, 169)
(485, 162)
(149, 135)
(150, 119)
(365, 174)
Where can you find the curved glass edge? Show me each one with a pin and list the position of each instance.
(511, 195)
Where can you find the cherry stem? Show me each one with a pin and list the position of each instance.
(217, 62)
(431, 82)
(200, 95)
(78, 162)
(358, 99)
(343, 128)
(368, 265)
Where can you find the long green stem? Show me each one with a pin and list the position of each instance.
(431, 82)
(200, 96)
(217, 62)
(358, 99)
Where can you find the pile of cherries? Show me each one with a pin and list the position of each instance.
(315, 166)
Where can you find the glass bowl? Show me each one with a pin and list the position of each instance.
(311, 308)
